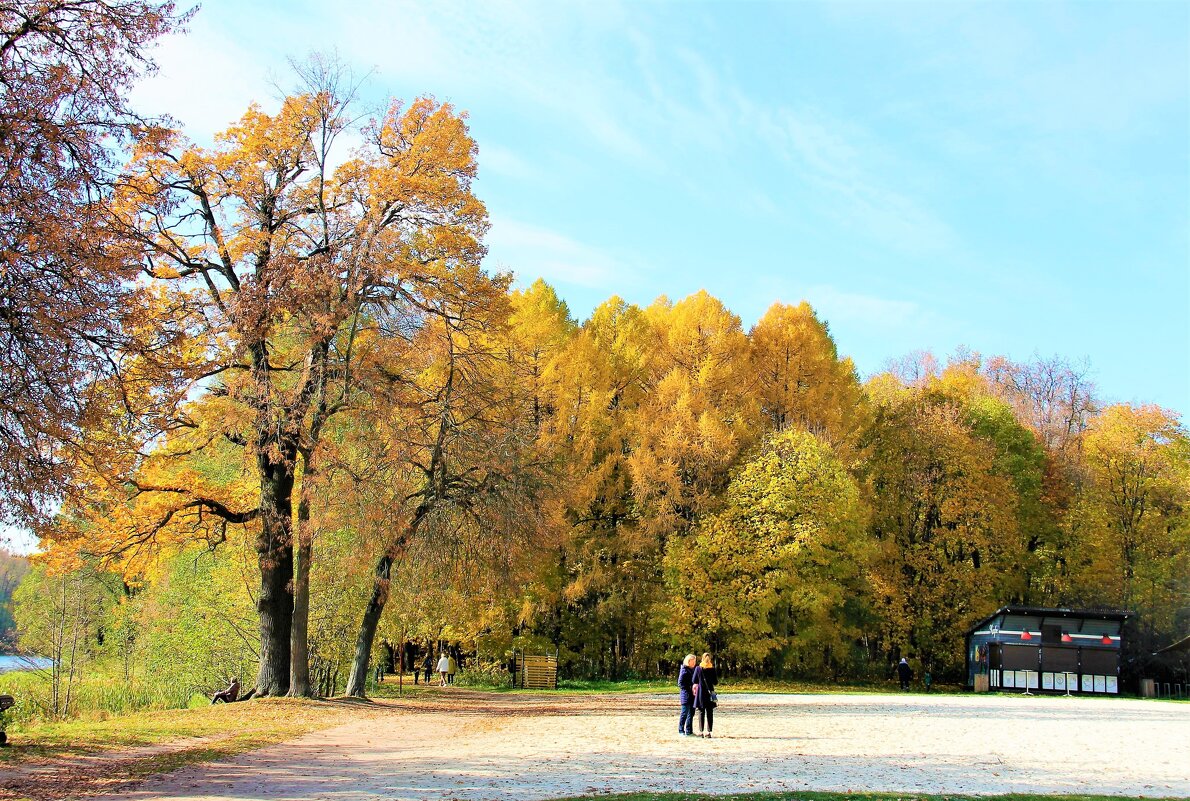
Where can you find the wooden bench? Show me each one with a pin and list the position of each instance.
(6, 702)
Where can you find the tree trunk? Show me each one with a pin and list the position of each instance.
(375, 608)
(367, 630)
(299, 651)
(299, 657)
(274, 549)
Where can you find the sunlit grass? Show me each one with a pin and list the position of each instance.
(231, 727)
(93, 697)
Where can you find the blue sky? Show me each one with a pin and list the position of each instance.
(1013, 178)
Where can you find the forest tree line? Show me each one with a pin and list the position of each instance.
(268, 411)
(12, 570)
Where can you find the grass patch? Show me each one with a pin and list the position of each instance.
(97, 696)
(390, 687)
(818, 796)
(233, 727)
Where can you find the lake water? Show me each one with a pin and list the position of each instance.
(8, 663)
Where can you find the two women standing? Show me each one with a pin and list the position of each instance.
(696, 688)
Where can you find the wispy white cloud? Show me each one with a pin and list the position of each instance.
(848, 171)
(499, 49)
(533, 252)
(873, 311)
(506, 162)
(850, 178)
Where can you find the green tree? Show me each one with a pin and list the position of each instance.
(59, 616)
(12, 569)
(777, 577)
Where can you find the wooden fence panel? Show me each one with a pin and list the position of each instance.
(537, 672)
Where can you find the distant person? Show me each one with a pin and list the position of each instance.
(705, 699)
(228, 696)
(427, 666)
(452, 666)
(686, 695)
(904, 672)
(443, 669)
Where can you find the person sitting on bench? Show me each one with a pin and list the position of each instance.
(228, 696)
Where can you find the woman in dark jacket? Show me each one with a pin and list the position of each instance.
(686, 695)
(705, 679)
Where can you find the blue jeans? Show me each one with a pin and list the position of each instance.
(686, 719)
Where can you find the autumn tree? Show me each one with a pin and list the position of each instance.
(444, 442)
(945, 521)
(1132, 514)
(597, 593)
(1054, 397)
(779, 575)
(800, 380)
(698, 416)
(66, 296)
(539, 328)
(275, 260)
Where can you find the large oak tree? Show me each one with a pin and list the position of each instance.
(277, 250)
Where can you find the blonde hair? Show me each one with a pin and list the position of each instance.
(688, 659)
(707, 662)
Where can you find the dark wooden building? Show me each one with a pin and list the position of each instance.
(1034, 649)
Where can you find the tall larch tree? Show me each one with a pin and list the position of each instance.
(699, 415)
(800, 380)
(597, 590)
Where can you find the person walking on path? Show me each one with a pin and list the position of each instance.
(427, 666)
(704, 680)
(443, 668)
(904, 672)
(452, 666)
(686, 695)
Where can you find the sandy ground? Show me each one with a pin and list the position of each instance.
(461, 745)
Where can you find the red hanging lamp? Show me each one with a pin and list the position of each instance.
(1025, 635)
(1066, 637)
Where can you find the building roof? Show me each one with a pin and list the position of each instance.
(1048, 611)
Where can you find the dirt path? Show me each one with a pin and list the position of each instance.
(59, 776)
(473, 746)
